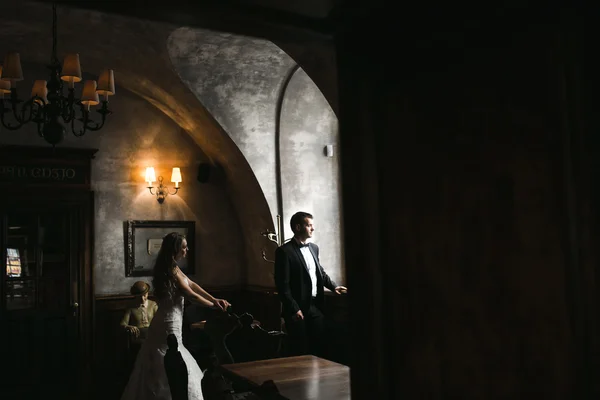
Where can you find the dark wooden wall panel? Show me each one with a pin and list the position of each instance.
(264, 305)
(110, 350)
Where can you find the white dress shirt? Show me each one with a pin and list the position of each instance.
(312, 268)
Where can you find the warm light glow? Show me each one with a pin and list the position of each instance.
(89, 97)
(40, 90)
(4, 88)
(161, 191)
(176, 176)
(4, 85)
(106, 83)
(12, 67)
(150, 175)
(71, 70)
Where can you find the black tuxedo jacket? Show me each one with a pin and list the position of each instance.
(293, 281)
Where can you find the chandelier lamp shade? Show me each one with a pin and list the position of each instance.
(48, 107)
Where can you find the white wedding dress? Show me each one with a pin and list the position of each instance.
(148, 380)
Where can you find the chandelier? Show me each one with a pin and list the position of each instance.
(47, 105)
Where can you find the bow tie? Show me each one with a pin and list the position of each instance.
(302, 245)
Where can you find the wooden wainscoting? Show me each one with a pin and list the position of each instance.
(110, 346)
(112, 363)
(263, 304)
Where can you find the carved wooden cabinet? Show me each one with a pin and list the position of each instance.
(46, 286)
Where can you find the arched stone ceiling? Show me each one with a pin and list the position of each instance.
(137, 51)
(240, 81)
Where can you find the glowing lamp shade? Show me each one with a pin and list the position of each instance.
(71, 70)
(40, 90)
(150, 175)
(106, 83)
(89, 97)
(4, 88)
(176, 176)
(12, 67)
(4, 85)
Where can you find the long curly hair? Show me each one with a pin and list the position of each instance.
(164, 267)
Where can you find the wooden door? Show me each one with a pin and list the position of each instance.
(41, 330)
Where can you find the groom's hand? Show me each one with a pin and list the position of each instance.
(341, 289)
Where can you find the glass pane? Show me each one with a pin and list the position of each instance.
(20, 294)
(20, 252)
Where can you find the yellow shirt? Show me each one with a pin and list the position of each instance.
(141, 316)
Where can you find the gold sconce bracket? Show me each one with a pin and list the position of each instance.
(161, 191)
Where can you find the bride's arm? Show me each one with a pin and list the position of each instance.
(220, 303)
(184, 285)
(196, 288)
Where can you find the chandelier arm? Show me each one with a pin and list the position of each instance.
(16, 113)
(40, 113)
(40, 128)
(174, 193)
(8, 125)
(87, 123)
(68, 114)
(19, 116)
(29, 105)
(104, 111)
(90, 124)
(37, 104)
(95, 126)
(40, 119)
(67, 106)
(35, 107)
(14, 100)
(83, 130)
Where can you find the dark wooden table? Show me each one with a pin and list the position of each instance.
(297, 378)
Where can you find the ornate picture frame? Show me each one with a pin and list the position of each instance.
(143, 240)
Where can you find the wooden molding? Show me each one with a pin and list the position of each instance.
(219, 289)
(210, 289)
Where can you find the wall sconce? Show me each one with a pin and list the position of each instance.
(161, 191)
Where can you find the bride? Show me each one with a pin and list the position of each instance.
(148, 380)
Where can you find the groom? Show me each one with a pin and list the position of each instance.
(300, 279)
